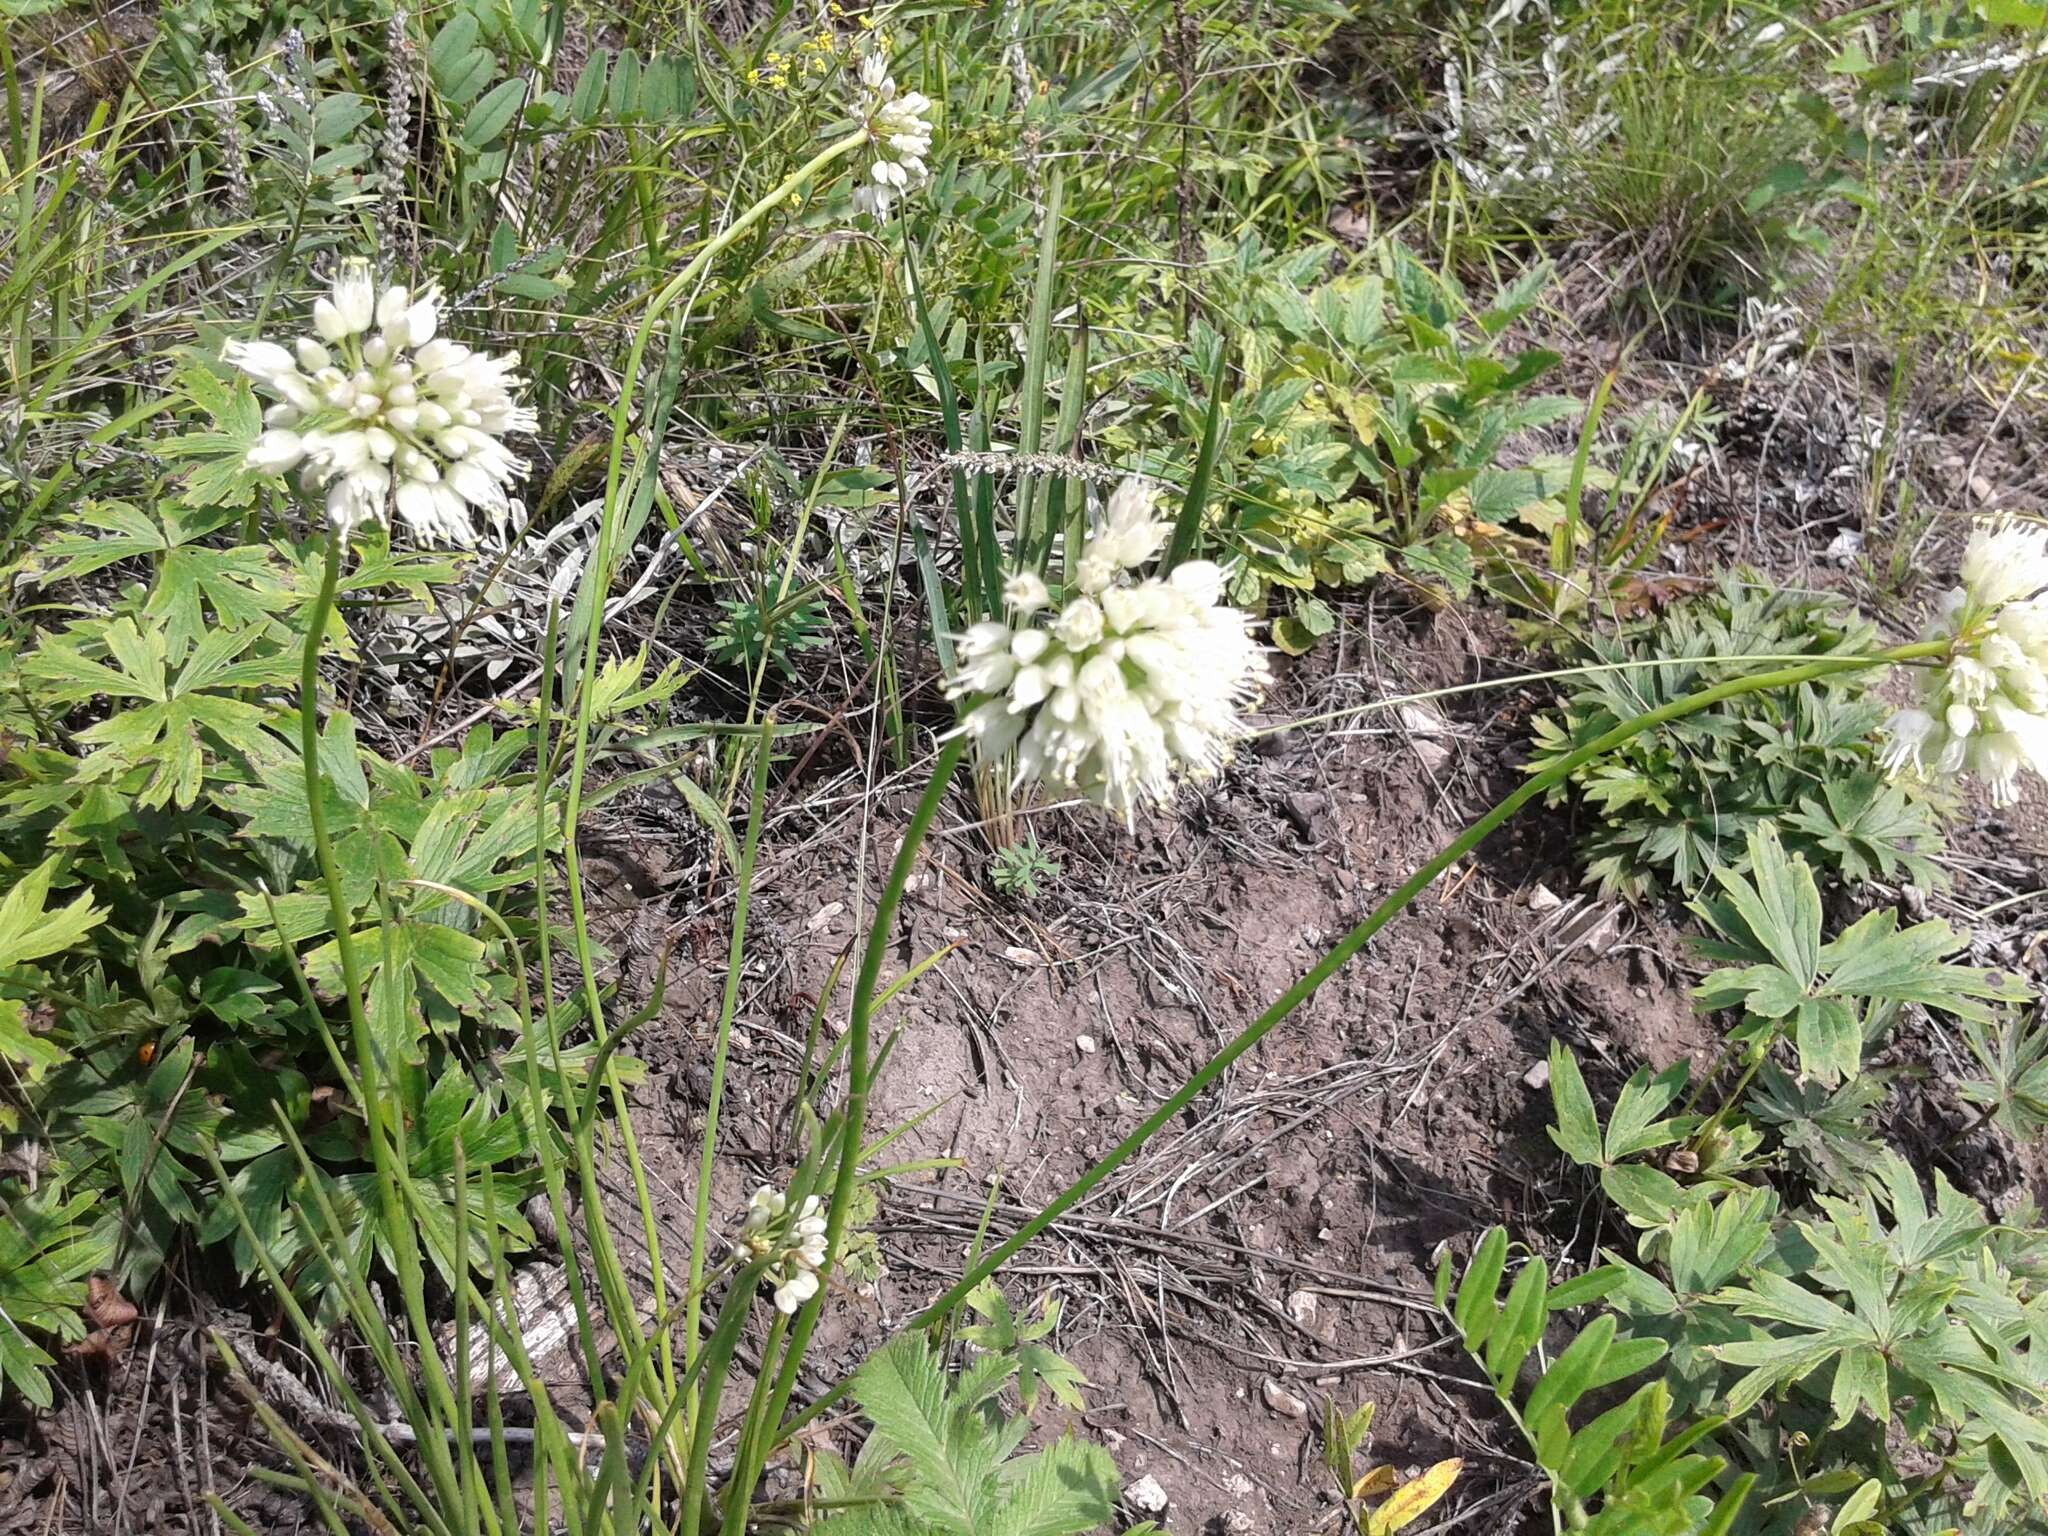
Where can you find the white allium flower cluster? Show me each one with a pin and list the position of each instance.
(1985, 711)
(799, 1245)
(900, 131)
(378, 402)
(1130, 686)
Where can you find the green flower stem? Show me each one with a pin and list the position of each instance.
(1349, 945)
(382, 1118)
(700, 1222)
(610, 1273)
(860, 1067)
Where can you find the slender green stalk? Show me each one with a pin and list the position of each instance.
(323, 852)
(700, 1222)
(380, 1117)
(859, 1066)
(597, 578)
(1349, 945)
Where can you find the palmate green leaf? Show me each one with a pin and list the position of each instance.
(29, 931)
(1774, 912)
(1780, 903)
(219, 475)
(46, 1251)
(1635, 1126)
(1577, 1131)
(1874, 958)
(1828, 1034)
(1919, 1237)
(199, 588)
(1873, 829)
(1712, 1242)
(176, 717)
(1970, 1387)
(120, 532)
(2013, 1051)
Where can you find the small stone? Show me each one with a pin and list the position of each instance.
(1282, 1401)
(1980, 488)
(1845, 547)
(1596, 930)
(1238, 1486)
(1021, 957)
(1544, 899)
(1085, 1044)
(1146, 1496)
(1426, 730)
(1537, 1078)
(824, 915)
(1301, 1306)
(541, 1217)
(1237, 1523)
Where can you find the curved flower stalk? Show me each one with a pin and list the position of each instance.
(1132, 686)
(899, 133)
(380, 407)
(1984, 710)
(796, 1246)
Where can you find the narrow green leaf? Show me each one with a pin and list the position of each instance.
(1187, 526)
(1573, 1372)
(1476, 1308)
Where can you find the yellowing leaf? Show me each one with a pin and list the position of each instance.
(1375, 1482)
(1412, 1500)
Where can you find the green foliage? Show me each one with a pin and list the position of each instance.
(46, 1250)
(1616, 1472)
(1365, 423)
(1828, 999)
(2012, 1050)
(164, 916)
(941, 1457)
(758, 631)
(1870, 1323)
(1039, 1368)
(1871, 1351)
(1023, 868)
(1678, 802)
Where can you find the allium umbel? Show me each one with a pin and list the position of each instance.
(900, 131)
(379, 407)
(1132, 685)
(798, 1246)
(1985, 710)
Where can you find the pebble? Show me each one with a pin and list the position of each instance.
(1537, 1077)
(541, 1217)
(1544, 899)
(1021, 957)
(825, 914)
(1085, 1044)
(1425, 731)
(1282, 1401)
(1301, 1306)
(1146, 1496)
